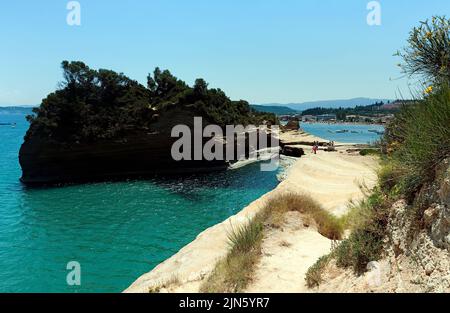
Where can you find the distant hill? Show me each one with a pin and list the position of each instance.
(16, 110)
(279, 110)
(396, 105)
(341, 113)
(349, 103)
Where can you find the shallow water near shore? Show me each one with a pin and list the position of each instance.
(116, 231)
(357, 133)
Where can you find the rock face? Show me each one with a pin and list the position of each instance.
(437, 216)
(136, 155)
(417, 259)
(293, 151)
(416, 252)
(293, 124)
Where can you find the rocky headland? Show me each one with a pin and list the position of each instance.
(101, 125)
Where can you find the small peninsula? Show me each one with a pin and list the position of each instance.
(103, 125)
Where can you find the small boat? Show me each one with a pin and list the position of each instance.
(378, 132)
(13, 125)
(342, 131)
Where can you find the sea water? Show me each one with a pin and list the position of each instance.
(357, 133)
(116, 231)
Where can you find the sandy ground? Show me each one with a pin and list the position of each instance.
(331, 178)
(287, 254)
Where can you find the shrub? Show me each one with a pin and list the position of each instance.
(388, 176)
(365, 152)
(428, 53)
(365, 243)
(419, 136)
(416, 141)
(313, 276)
(362, 247)
(423, 136)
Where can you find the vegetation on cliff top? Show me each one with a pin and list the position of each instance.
(101, 104)
(428, 51)
(415, 143)
(418, 139)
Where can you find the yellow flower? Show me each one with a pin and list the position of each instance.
(429, 35)
(428, 90)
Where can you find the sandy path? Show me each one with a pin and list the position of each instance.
(331, 178)
(286, 256)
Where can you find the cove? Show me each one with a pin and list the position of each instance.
(116, 231)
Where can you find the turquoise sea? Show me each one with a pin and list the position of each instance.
(116, 231)
(356, 133)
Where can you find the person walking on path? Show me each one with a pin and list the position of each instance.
(315, 148)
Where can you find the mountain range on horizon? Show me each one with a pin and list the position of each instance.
(277, 108)
(342, 103)
(16, 109)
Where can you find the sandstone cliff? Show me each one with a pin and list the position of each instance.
(416, 248)
(136, 155)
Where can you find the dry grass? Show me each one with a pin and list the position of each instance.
(236, 270)
(234, 273)
(327, 224)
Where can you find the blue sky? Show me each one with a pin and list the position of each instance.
(259, 50)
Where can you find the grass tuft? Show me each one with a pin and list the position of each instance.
(234, 273)
(243, 238)
(327, 224)
(313, 276)
(236, 270)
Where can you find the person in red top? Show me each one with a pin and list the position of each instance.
(315, 148)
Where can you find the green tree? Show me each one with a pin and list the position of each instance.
(100, 104)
